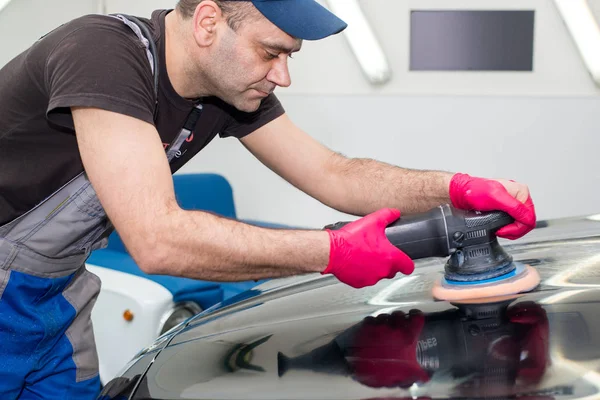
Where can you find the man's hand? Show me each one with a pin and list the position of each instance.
(361, 254)
(470, 193)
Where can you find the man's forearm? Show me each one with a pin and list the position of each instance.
(362, 186)
(220, 249)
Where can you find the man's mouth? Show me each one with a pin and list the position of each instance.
(265, 92)
(262, 92)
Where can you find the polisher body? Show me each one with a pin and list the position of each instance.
(477, 266)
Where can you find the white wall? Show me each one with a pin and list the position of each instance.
(538, 127)
(328, 66)
(23, 21)
(550, 143)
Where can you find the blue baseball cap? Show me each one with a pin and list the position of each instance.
(303, 19)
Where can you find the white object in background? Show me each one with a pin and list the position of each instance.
(3, 3)
(583, 27)
(119, 340)
(101, 6)
(362, 40)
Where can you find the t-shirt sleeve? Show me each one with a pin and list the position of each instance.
(240, 124)
(102, 67)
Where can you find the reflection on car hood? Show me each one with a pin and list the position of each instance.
(315, 338)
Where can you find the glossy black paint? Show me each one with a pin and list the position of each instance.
(315, 338)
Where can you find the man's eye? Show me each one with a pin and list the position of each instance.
(271, 56)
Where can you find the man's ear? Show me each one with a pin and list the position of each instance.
(206, 17)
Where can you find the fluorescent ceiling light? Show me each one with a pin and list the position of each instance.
(584, 29)
(362, 40)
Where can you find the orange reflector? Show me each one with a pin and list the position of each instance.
(128, 315)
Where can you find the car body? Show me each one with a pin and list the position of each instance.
(134, 308)
(312, 337)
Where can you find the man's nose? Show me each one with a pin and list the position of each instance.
(279, 73)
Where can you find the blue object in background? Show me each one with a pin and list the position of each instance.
(207, 192)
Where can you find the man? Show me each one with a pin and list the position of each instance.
(83, 134)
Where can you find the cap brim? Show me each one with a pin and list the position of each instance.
(303, 19)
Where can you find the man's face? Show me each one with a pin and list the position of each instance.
(248, 65)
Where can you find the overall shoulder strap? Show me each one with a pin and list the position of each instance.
(144, 34)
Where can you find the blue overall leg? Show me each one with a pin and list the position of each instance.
(37, 356)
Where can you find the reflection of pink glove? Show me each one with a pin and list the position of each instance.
(479, 194)
(528, 347)
(533, 340)
(384, 352)
(361, 255)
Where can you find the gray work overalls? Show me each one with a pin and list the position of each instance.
(47, 347)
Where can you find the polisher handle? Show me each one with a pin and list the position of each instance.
(419, 236)
(492, 220)
(440, 231)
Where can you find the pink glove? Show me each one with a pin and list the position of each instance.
(361, 255)
(469, 193)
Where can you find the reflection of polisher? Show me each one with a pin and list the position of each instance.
(479, 345)
(240, 357)
(478, 266)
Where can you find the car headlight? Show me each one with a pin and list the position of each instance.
(178, 314)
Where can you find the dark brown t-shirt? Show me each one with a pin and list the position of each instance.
(94, 61)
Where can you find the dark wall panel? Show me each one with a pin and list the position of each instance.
(457, 40)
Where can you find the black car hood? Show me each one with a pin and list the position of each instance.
(315, 338)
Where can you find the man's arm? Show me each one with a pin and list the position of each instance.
(126, 164)
(361, 186)
(353, 186)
